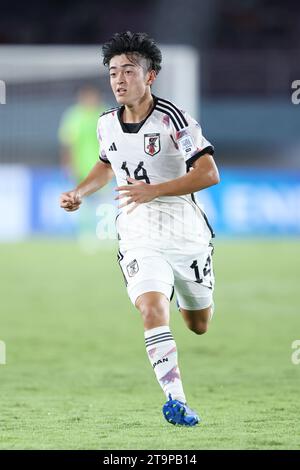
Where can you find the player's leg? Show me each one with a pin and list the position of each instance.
(194, 284)
(154, 308)
(151, 296)
(197, 320)
(162, 352)
(150, 280)
(161, 348)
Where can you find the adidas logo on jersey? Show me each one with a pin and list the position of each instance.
(112, 147)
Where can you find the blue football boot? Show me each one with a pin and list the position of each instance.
(177, 412)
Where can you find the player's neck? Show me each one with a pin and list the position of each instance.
(138, 111)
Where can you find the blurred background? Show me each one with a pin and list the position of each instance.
(232, 65)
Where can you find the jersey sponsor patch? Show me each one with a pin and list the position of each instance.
(152, 144)
(132, 268)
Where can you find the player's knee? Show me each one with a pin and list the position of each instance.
(199, 328)
(152, 312)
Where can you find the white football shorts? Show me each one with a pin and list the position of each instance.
(189, 275)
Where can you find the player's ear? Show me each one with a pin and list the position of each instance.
(151, 77)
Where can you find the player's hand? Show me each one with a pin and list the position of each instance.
(70, 201)
(138, 192)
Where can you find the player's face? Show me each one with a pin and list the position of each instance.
(129, 80)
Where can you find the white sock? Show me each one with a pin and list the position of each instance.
(162, 353)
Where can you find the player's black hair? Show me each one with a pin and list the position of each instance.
(133, 44)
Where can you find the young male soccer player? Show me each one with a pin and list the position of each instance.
(160, 158)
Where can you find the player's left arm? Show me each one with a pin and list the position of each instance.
(203, 174)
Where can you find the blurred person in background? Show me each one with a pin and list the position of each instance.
(79, 152)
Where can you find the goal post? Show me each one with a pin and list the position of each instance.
(178, 80)
(42, 81)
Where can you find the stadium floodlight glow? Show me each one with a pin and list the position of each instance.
(2, 92)
(2, 353)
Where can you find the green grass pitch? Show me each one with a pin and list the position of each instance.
(77, 375)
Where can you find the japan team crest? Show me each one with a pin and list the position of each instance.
(152, 144)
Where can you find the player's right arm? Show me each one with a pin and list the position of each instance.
(98, 177)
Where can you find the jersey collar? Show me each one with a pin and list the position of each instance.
(139, 125)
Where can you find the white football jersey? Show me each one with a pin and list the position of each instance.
(160, 148)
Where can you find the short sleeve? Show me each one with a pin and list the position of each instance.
(191, 142)
(102, 152)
